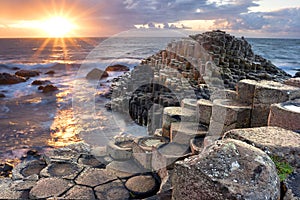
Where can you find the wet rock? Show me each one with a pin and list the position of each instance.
(7, 167)
(79, 192)
(274, 141)
(27, 168)
(112, 191)
(93, 177)
(143, 186)
(49, 187)
(96, 74)
(66, 170)
(6, 78)
(117, 67)
(49, 88)
(2, 95)
(40, 82)
(51, 72)
(27, 73)
(69, 153)
(229, 169)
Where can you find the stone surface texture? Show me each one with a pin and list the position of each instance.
(230, 169)
(274, 141)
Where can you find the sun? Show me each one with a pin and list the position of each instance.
(58, 26)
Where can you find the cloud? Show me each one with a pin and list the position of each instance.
(281, 22)
(118, 15)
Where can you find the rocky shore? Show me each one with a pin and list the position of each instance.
(223, 123)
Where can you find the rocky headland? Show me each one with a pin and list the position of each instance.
(223, 123)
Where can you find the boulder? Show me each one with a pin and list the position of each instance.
(297, 75)
(51, 72)
(27, 73)
(117, 67)
(229, 169)
(96, 74)
(6, 78)
(275, 141)
(49, 88)
(40, 82)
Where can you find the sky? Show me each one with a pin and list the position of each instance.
(250, 18)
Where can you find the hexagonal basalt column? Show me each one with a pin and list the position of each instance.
(143, 149)
(205, 111)
(176, 114)
(227, 115)
(183, 132)
(49, 187)
(285, 115)
(66, 170)
(261, 95)
(112, 190)
(92, 177)
(120, 150)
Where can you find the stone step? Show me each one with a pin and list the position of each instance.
(120, 150)
(275, 141)
(183, 132)
(189, 104)
(285, 115)
(144, 147)
(205, 111)
(261, 94)
(227, 115)
(177, 114)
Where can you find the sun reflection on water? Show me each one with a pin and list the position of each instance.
(64, 129)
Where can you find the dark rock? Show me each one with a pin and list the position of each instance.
(7, 167)
(48, 88)
(2, 95)
(51, 72)
(41, 87)
(39, 82)
(6, 78)
(292, 186)
(297, 75)
(96, 74)
(27, 73)
(117, 67)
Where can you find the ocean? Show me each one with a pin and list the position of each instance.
(32, 120)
